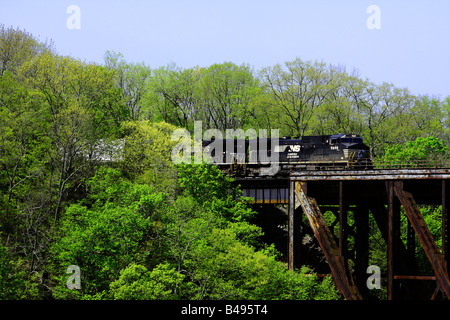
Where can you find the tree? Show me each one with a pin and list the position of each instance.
(147, 153)
(300, 88)
(220, 95)
(225, 93)
(132, 79)
(218, 249)
(24, 146)
(382, 110)
(339, 114)
(136, 282)
(186, 223)
(172, 95)
(12, 284)
(207, 201)
(17, 47)
(445, 105)
(264, 113)
(114, 227)
(83, 106)
(204, 182)
(224, 267)
(23, 130)
(420, 152)
(428, 117)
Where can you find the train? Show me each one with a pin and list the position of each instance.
(250, 157)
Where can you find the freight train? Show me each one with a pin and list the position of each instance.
(240, 157)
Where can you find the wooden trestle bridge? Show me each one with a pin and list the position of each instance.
(377, 192)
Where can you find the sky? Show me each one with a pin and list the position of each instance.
(406, 43)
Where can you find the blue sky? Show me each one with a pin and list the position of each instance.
(412, 48)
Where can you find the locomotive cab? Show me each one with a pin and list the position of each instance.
(346, 139)
(355, 151)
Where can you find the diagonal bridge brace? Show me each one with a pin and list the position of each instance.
(343, 280)
(423, 233)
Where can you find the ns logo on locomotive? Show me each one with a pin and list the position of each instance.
(240, 157)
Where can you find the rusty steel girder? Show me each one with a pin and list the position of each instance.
(432, 251)
(376, 174)
(343, 280)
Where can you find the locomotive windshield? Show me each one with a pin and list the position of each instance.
(351, 140)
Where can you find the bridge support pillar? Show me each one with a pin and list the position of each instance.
(393, 240)
(291, 211)
(361, 247)
(342, 223)
(445, 226)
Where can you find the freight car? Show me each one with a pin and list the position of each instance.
(325, 152)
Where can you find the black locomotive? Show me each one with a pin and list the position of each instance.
(326, 152)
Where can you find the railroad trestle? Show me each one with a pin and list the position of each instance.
(380, 193)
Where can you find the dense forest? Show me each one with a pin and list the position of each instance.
(86, 177)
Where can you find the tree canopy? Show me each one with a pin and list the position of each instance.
(86, 176)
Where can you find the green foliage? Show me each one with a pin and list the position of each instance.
(127, 240)
(428, 151)
(210, 187)
(18, 46)
(428, 147)
(132, 79)
(136, 282)
(203, 181)
(147, 153)
(226, 268)
(299, 88)
(172, 96)
(226, 91)
(300, 285)
(24, 138)
(432, 216)
(211, 236)
(221, 95)
(115, 229)
(148, 229)
(9, 280)
(15, 282)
